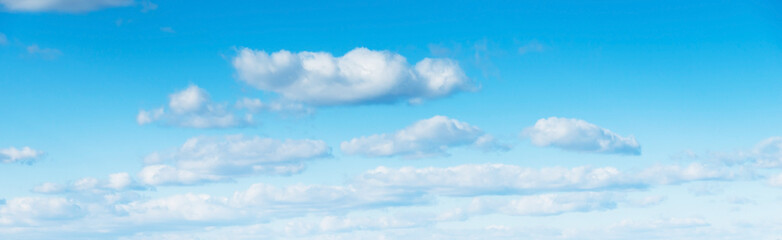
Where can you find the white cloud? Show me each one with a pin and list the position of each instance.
(299, 199)
(360, 76)
(256, 105)
(115, 182)
(531, 47)
(768, 153)
(45, 53)
(70, 6)
(202, 159)
(187, 207)
(147, 6)
(167, 30)
(675, 174)
(579, 135)
(166, 175)
(428, 137)
(32, 210)
(24, 155)
(191, 99)
(545, 204)
(660, 224)
(775, 180)
(471, 180)
(192, 107)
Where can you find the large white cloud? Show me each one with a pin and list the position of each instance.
(193, 108)
(360, 76)
(579, 135)
(72, 6)
(16, 155)
(202, 159)
(428, 137)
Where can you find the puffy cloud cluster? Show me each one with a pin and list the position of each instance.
(16, 155)
(579, 135)
(360, 76)
(192, 107)
(71, 6)
(428, 137)
(204, 159)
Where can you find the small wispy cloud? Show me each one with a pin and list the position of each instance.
(45, 53)
(147, 6)
(19, 155)
(167, 29)
(531, 47)
(3, 39)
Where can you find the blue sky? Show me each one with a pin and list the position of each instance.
(127, 119)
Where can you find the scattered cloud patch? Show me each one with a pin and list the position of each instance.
(24, 155)
(167, 30)
(147, 6)
(768, 153)
(25, 211)
(541, 205)
(205, 159)
(255, 105)
(578, 135)
(360, 76)
(193, 108)
(115, 182)
(68, 6)
(646, 201)
(45, 53)
(425, 138)
(531, 47)
(775, 180)
(660, 224)
(503, 179)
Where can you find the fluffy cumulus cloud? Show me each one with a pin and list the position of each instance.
(71, 6)
(193, 108)
(203, 159)
(16, 155)
(579, 135)
(360, 76)
(428, 137)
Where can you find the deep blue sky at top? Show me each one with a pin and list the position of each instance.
(692, 74)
